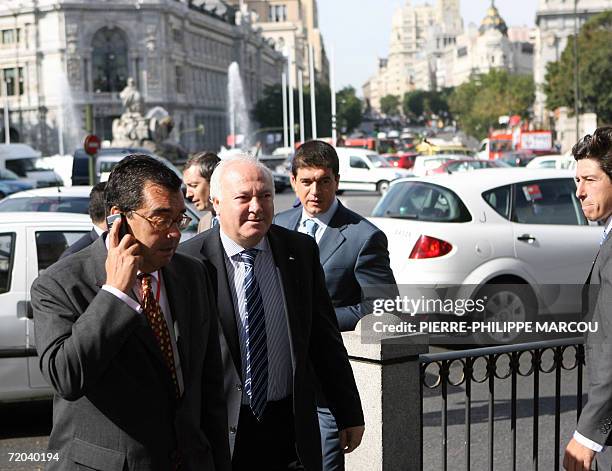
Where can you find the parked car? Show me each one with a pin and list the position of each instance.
(401, 159)
(362, 169)
(426, 164)
(106, 159)
(553, 161)
(510, 233)
(10, 183)
(74, 199)
(26, 162)
(518, 158)
(29, 243)
(463, 165)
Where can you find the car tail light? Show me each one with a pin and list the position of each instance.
(430, 247)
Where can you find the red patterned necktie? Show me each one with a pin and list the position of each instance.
(157, 322)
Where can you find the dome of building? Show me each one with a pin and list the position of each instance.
(493, 21)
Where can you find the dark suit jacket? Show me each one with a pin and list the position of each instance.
(595, 420)
(80, 244)
(355, 259)
(317, 351)
(115, 406)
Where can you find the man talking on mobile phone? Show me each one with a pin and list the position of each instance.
(126, 334)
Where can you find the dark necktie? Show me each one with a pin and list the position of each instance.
(256, 374)
(311, 227)
(157, 322)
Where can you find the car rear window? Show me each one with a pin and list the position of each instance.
(423, 202)
(77, 205)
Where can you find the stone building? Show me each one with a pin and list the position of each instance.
(419, 33)
(58, 56)
(556, 21)
(292, 25)
(492, 46)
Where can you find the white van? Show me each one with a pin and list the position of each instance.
(26, 163)
(29, 243)
(365, 170)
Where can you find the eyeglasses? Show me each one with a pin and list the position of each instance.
(163, 223)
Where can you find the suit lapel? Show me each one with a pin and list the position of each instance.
(212, 250)
(332, 237)
(177, 300)
(294, 219)
(285, 261)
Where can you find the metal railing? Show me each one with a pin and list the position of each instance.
(486, 365)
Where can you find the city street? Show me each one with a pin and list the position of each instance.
(25, 426)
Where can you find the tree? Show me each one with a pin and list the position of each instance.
(594, 70)
(389, 105)
(413, 105)
(349, 109)
(478, 104)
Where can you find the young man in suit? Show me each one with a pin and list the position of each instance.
(97, 213)
(279, 334)
(352, 251)
(126, 332)
(196, 175)
(592, 438)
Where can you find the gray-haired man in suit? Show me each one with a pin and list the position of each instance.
(126, 332)
(592, 437)
(352, 251)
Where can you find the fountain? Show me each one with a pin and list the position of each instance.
(237, 108)
(69, 127)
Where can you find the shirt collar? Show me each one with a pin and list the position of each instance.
(608, 225)
(321, 218)
(232, 248)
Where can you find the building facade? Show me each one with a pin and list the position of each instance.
(293, 25)
(419, 34)
(556, 21)
(59, 56)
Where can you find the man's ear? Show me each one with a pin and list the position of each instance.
(292, 180)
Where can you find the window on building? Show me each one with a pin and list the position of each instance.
(462, 52)
(177, 35)
(13, 77)
(180, 79)
(109, 60)
(277, 13)
(9, 36)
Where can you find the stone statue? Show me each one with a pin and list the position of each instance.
(131, 99)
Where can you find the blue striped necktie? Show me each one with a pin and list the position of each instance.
(256, 374)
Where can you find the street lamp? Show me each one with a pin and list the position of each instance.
(576, 85)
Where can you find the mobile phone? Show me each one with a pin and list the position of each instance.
(123, 230)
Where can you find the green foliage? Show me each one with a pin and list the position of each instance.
(268, 112)
(594, 66)
(420, 105)
(477, 104)
(389, 105)
(349, 109)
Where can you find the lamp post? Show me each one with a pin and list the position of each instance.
(576, 78)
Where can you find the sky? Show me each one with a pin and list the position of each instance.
(358, 31)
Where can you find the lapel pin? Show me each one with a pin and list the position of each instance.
(291, 258)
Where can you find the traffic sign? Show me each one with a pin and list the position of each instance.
(92, 144)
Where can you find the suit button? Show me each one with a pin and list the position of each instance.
(233, 430)
(239, 387)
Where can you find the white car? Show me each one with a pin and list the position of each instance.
(425, 164)
(74, 199)
(523, 229)
(365, 170)
(557, 161)
(29, 243)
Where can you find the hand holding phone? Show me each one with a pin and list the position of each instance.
(123, 260)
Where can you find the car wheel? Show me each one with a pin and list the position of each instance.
(2, 195)
(504, 303)
(382, 187)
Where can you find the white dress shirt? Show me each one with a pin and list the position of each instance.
(322, 220)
